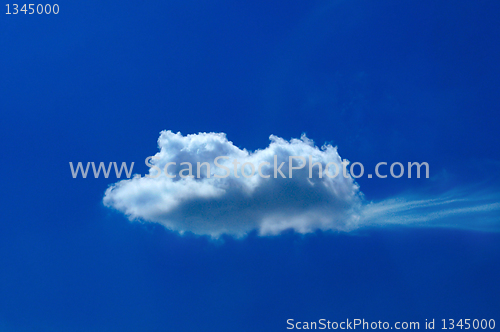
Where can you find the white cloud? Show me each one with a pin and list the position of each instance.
(235, 206)
(238, 205)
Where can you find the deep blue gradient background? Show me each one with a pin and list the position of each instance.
(385, 81)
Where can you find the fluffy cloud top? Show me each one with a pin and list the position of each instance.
(237, 205)
(233, 205)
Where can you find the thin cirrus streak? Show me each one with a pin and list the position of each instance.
(236, 206)
(466, 209)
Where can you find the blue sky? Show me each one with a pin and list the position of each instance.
(383, 81)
